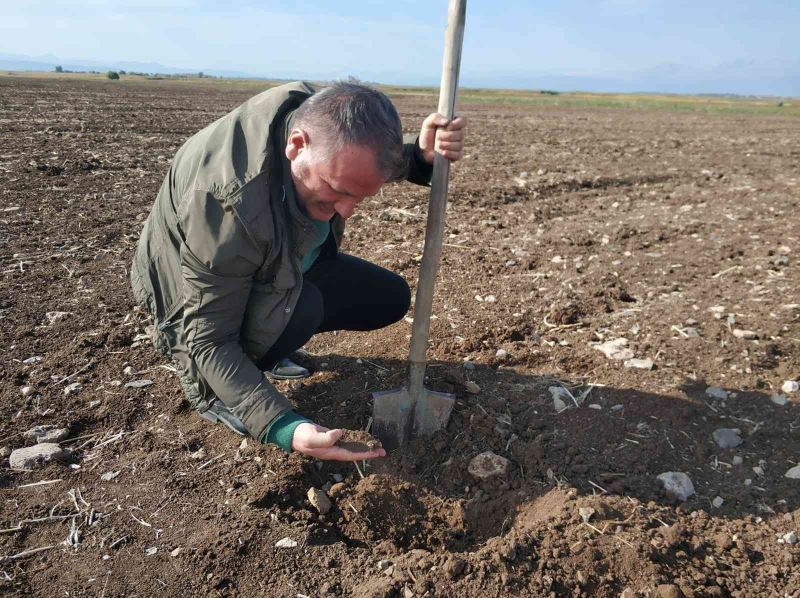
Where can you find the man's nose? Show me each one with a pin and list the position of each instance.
(346, 207)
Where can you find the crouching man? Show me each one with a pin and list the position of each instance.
(238, 261)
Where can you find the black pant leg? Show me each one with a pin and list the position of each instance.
(357, 294)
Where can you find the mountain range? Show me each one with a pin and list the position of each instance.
(740, 77)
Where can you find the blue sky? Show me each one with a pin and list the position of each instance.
(508, 43)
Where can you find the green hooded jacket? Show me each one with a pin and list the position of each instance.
(217, 264)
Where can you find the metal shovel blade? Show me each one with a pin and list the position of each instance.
(396, 419)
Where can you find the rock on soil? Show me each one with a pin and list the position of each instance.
(727, 437)
(793, 473)
(790, 386)
(138, 383)
(639, 364)
(319, 500)
(488, 465)
(668, 591)
(717, 393)
(358, 441)
(46, 434)
(38, 454)
(454, 567)
(747, 335)
(559, 395)
(615, 349)
(73, 388)
(586, 513)
(677, 484)
(286, 543)
(779, 399)
(789, 538)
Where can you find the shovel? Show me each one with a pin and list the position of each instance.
(413, 411)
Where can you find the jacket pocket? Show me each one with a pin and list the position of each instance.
(265, 318)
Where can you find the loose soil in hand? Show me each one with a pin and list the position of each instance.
(358, 441)
(666, 233)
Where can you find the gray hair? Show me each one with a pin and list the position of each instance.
(350, 113)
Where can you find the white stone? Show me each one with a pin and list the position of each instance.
(55, 316)
(27, 391)
(286, 543)
(758, 470)
(717, 502)
(73, 388)
(717, 393)
(615, 349)
(790, 386)
(737, 460)
(790, 538)
(501, 354)
(586, 513)
(559, 393)
(727, 437)
(35, 432)
(32, 360)
(677, 484)
(779, 399)
(747, 335)
(31, 456)
(46, 433)
(151, 551)
(488, 465)
(198, 454)
(319, 500)
(639, 364)
(793, 473)
(138, 383)
(176, 552)
(109, 475)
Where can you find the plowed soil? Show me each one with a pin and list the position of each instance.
(567, 228)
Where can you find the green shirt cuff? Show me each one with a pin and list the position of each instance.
(281, 432)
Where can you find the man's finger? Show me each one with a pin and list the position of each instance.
(337, 453)
(446, 135)
(436, 120)
(323, 439)
(449, 145)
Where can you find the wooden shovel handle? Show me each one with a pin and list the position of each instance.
(437, 206)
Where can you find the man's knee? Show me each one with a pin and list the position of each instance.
(400, 298)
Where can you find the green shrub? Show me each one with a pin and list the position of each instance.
(114, 75)
(59, 69)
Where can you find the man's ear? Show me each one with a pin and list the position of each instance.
(296, 143)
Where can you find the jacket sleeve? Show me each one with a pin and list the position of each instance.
(417, 169)
(218, 260)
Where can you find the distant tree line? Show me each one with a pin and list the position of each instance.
(115, 75)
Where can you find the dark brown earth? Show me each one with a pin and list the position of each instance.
(567, 227)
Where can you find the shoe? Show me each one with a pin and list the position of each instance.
(286, 369)
(218, 412)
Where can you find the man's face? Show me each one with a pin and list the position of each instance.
(333, 186)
